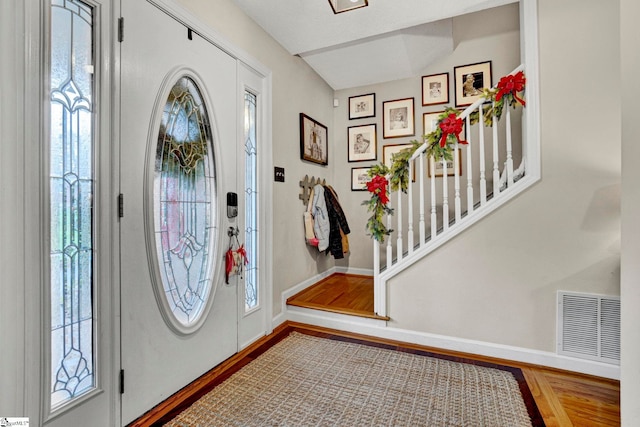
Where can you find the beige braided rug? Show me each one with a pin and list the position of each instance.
(309, 381)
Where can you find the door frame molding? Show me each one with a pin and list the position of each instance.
(27, 159)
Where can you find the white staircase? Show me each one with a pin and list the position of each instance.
(481, 178)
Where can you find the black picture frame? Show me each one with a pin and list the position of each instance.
(362, 143)
(435, 89)
(398, 118)
(314, 143)
(359, 178)
(469, 82)
(362, 106)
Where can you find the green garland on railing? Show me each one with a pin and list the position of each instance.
(441, 143)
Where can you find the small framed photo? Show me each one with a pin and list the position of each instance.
(359, 179)
(469, 82)
(362, 143)
(435, 89)
(438, 169)
(390, 149)
(313, 140)
(430, 122)
(398, 118)
(362, 106)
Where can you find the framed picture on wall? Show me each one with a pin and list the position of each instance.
(470, 80)
(398, 118)
(313, 140)
(362, 106)
(362, 143)
(359, 178)
(437, 169)
(430, 122)
(390, 149)
(435, 89)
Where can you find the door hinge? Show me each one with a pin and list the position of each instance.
(120, 205)
(121, 381)
(120, 29)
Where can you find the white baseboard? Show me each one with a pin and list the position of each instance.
(379, 328)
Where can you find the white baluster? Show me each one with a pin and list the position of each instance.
(469, 170)
(389, 245)
(434, 212)
(376, 275)
(410, 213)
(483, 178)
(496, 170)
(421, 178)
(445, 196)
(399, 213)
(456, 182)
(509, 148)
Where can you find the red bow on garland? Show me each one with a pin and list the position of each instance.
(451, 125)
(378, 185)
(511, 85)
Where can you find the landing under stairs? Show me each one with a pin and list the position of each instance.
(340, 293)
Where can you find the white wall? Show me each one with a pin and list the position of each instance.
(296, 89)
(630, 267)
(497, 281)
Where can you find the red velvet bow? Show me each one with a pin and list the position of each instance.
(451, 125)
(228, 264)
(512, 84)
(378, 185)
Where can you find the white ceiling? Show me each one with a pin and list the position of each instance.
(369, 45)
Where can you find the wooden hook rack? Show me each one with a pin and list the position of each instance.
(307, 184)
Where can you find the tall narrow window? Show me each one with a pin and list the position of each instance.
(184, 206)
(251, 200)
(71, 200)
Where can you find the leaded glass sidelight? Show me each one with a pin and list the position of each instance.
(251, 201)
(184, 204)
(71, 184)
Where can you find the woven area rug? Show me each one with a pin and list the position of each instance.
(310, 381)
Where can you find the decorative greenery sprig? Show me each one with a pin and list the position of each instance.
(440, 144)
(377, 204)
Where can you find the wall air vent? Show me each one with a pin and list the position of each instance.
(589, 326)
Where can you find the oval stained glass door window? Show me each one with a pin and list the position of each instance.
(184, 207)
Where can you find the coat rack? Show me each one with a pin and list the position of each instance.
(307, 185)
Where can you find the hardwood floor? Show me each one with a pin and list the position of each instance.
(339, 293)
(563, 398)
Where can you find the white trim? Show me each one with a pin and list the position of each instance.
(350, 270)
(376, 328)
(529, 52)
(320, 318)
(266, 200)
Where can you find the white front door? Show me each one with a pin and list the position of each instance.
(174, 205)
